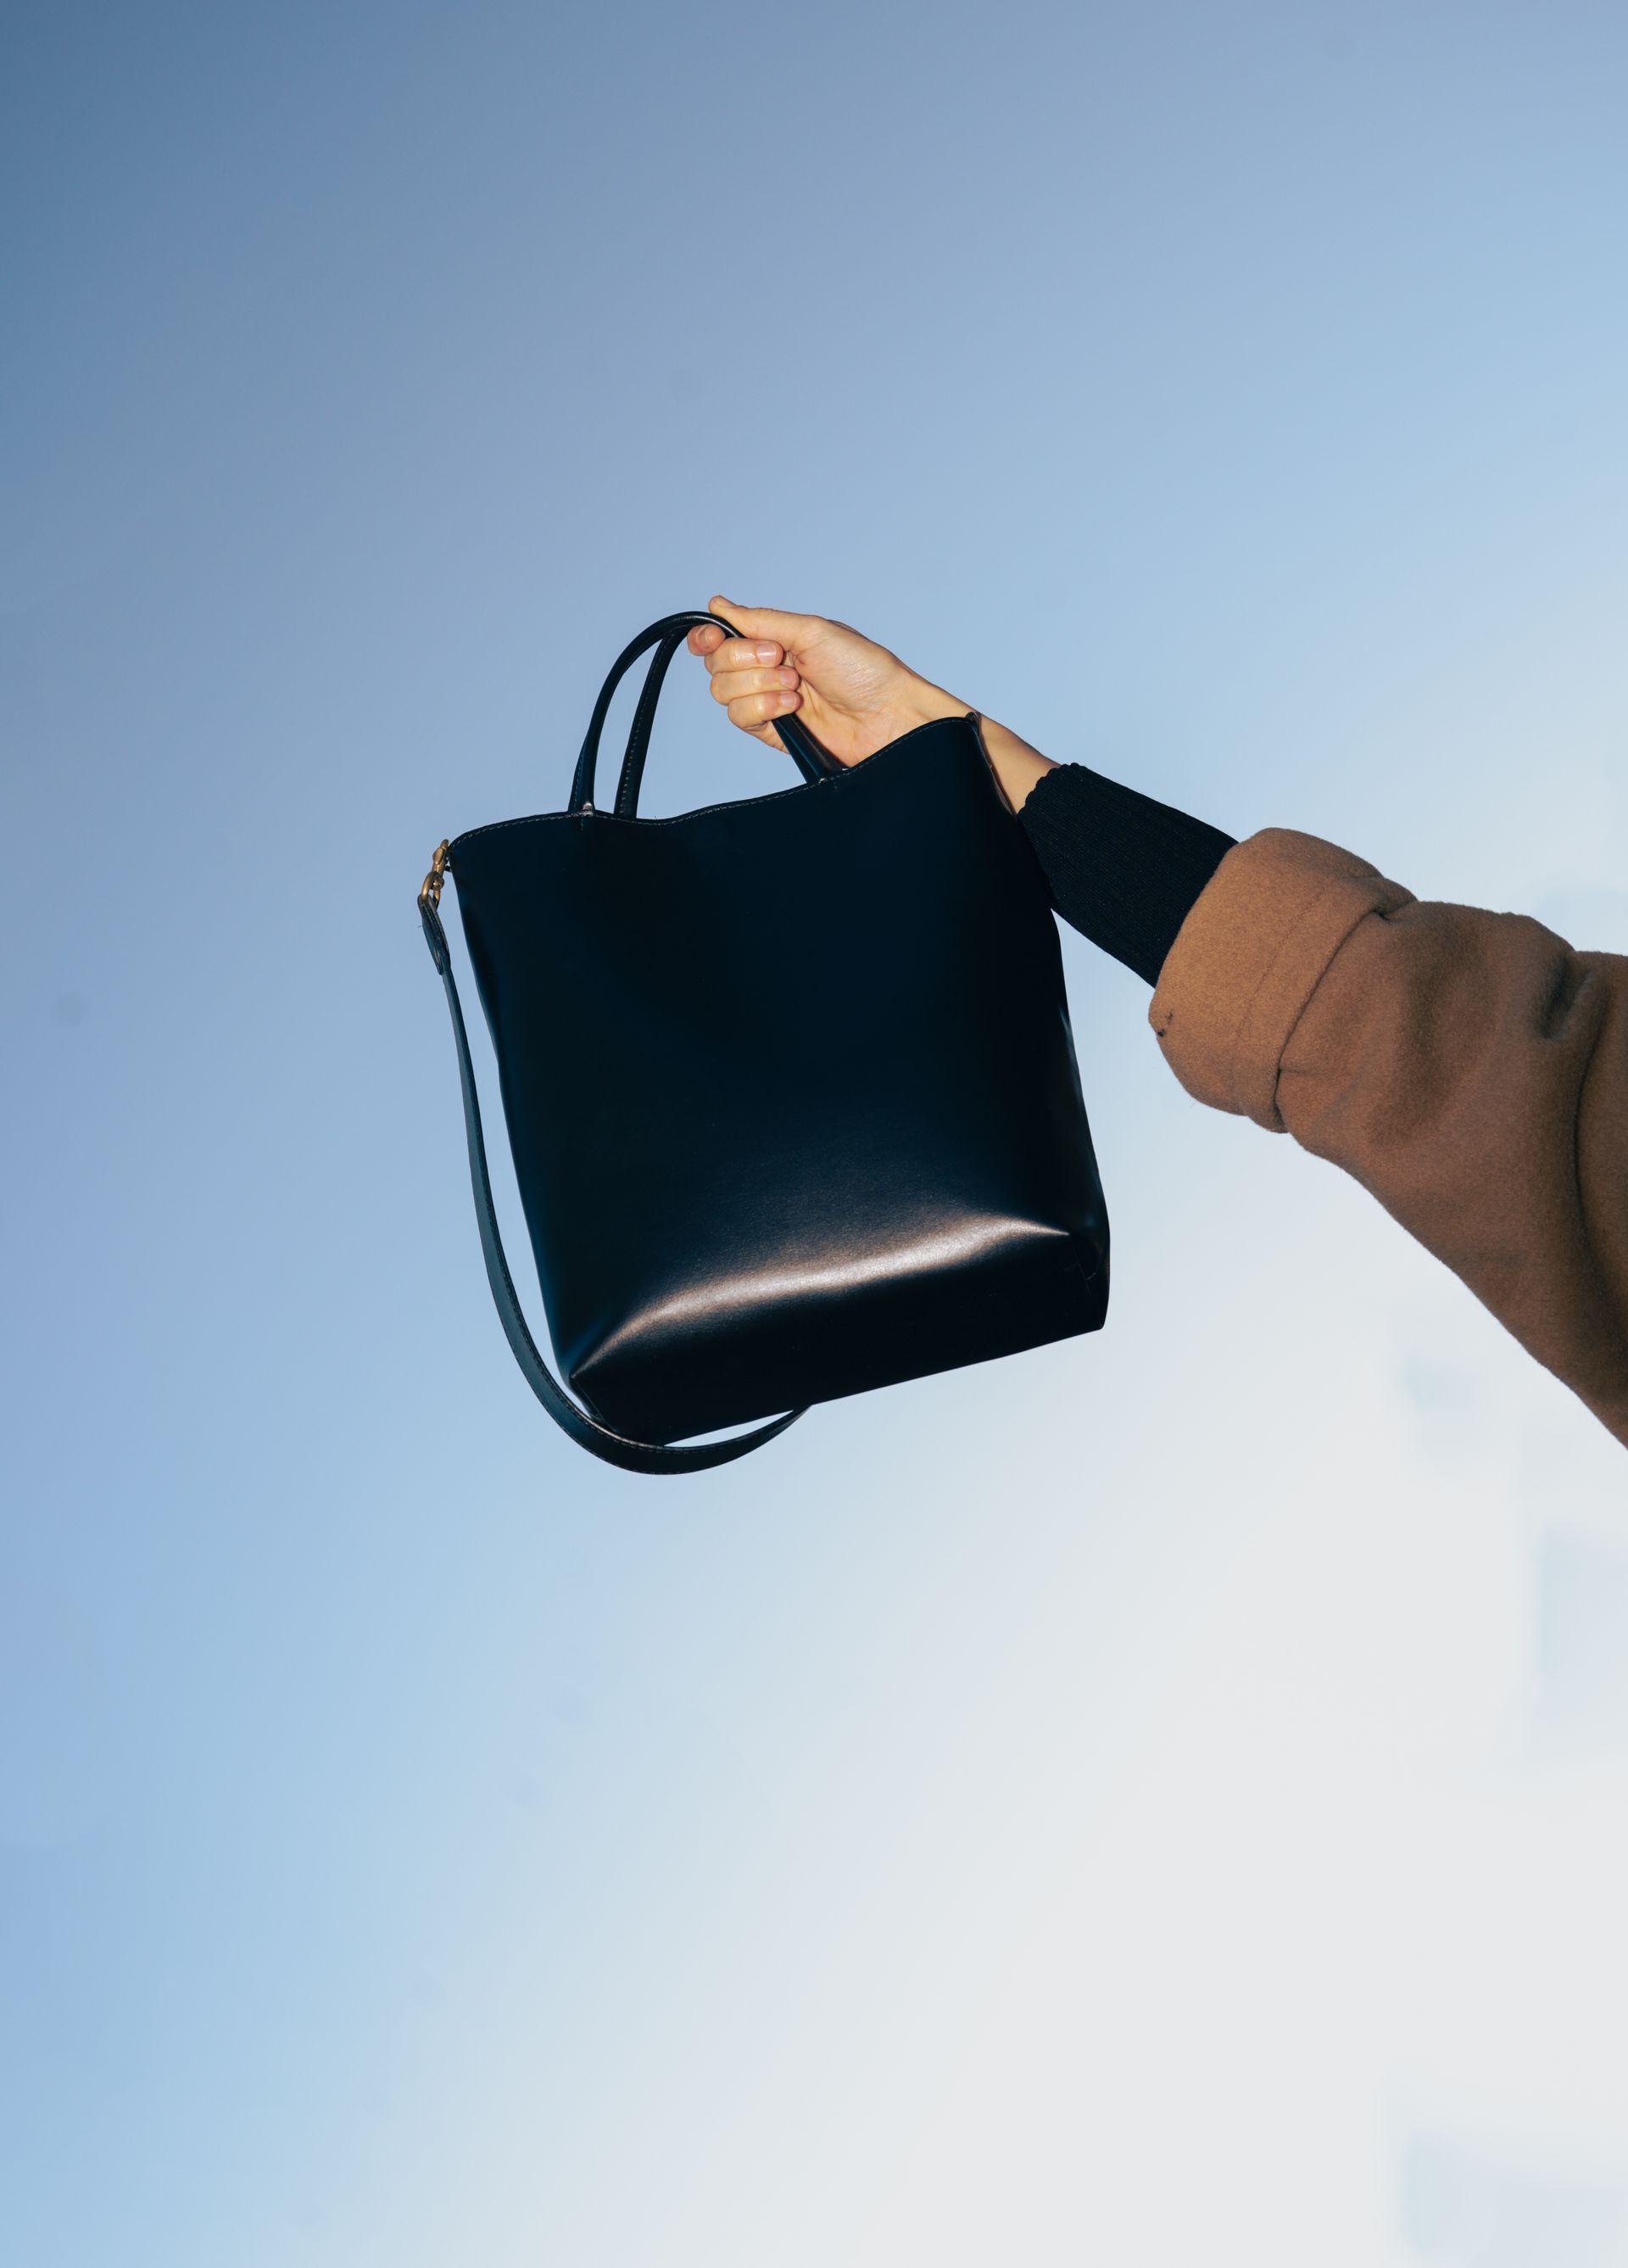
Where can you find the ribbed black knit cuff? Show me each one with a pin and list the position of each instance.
(1123, 870)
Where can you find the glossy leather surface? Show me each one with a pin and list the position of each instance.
(634, 1455)
(789, 1083)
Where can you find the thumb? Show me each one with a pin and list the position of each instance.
(763, 621)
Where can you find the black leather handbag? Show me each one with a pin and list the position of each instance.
(789, 1083)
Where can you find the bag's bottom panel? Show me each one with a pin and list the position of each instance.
(729, 1356)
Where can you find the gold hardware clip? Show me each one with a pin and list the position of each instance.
(431, 893)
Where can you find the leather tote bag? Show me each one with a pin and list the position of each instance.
(789, 1083)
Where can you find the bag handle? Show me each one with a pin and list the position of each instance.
(627, 784)
(668, 635)
(616, 1448)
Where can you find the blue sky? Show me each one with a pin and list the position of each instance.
(1163, 1784)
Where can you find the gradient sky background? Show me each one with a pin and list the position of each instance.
(1159, 1799)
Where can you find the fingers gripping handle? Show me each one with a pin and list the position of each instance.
(812, 760)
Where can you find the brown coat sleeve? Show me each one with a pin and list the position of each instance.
(1468, 1068)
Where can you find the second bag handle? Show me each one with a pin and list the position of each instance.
(668, 635)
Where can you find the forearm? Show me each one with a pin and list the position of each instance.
(1016, 765)
(1122, 868)
(1019, 768)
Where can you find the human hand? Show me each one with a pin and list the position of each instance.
(853, 695)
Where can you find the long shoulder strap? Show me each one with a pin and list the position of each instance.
(616, 1448)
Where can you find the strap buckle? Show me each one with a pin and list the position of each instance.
(430, 895)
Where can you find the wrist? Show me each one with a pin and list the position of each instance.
(922, 702)
(1016, 765)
